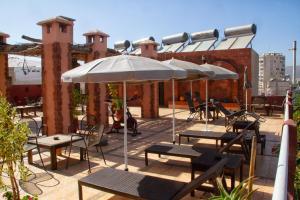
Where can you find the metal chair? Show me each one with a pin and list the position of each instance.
(33, 135)
(91, 139)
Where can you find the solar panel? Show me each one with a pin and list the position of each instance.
(136, 51)
(191, 47)
(205, 45)
(242, 42)
(175, 47)
(164, 49)
(226, 43)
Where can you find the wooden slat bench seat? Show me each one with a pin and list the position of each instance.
(139, 186)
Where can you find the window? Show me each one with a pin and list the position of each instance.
(48, 28)
(62, 28)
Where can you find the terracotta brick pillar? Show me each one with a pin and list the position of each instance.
(56, 58)
(97, 92)
(4, 78)
(150, 94)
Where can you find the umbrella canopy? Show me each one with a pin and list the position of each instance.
(220, 72)
(123, 68)
(193, 70)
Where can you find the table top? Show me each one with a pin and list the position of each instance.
(50, 141)
(203, 134)
(133, 185)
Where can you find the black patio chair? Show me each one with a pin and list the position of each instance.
(211, 108)
(194, 111)
(34, 134)
(229, 115)
(91, 139)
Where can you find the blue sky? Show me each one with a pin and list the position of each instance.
(278, 21)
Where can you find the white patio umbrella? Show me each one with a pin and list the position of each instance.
(220, 74)
(194, 72)
(123, 68)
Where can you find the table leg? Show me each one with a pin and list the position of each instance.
(82, 152)
(80, 191)
(53, 158)
(29, 155)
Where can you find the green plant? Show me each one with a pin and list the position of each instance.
(296, 117)
(240, 192)
(117, 102)
(77, 99)
(13, 136)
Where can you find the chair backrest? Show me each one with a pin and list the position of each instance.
(95, 135)
(239, 138)
(198, 98)
(32, 125)
(190, 102)
(223, 109)
(212, 173)
(87, 122)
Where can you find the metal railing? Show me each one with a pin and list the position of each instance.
(281, 186)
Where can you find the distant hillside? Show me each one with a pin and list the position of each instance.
(289, 71)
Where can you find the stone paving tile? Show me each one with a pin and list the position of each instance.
(64, 184)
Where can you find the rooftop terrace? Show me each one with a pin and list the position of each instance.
(62, 183)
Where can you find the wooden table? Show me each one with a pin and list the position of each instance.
(28, 108)
(213, 135)
(53, 144)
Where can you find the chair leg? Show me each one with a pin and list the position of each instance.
(67, 163)
(102, 154)
(87, 155)
(39, 152)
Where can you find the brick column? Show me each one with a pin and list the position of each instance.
(4, 78)
(97, 92)
(150, 95)
(56, 58)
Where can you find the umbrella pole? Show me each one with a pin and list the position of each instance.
(125, 126)
(206, 102)
(173, 96)
(246, 99)
(191, 84)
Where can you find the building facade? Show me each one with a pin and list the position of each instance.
(271, 67)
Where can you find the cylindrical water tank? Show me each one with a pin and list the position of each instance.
(203, 35)
(240, 30)
(176, 38)
(124, 44)
(136, 43)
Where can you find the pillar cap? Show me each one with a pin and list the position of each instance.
(148, 42)
(95, 32)
(60, 19)
(5, 35)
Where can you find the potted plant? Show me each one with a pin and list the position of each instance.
(117, 103)
(13, 136)
(240, 192)
(77, 99)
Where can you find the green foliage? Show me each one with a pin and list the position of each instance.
(296, 117)
(9, 196)
(13, 136)
(240, 192)
(77, 99)
(117, 102)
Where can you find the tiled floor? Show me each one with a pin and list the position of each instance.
(62, 184)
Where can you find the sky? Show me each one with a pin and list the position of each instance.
(278, 21)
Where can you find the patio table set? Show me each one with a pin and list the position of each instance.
(127, 69)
